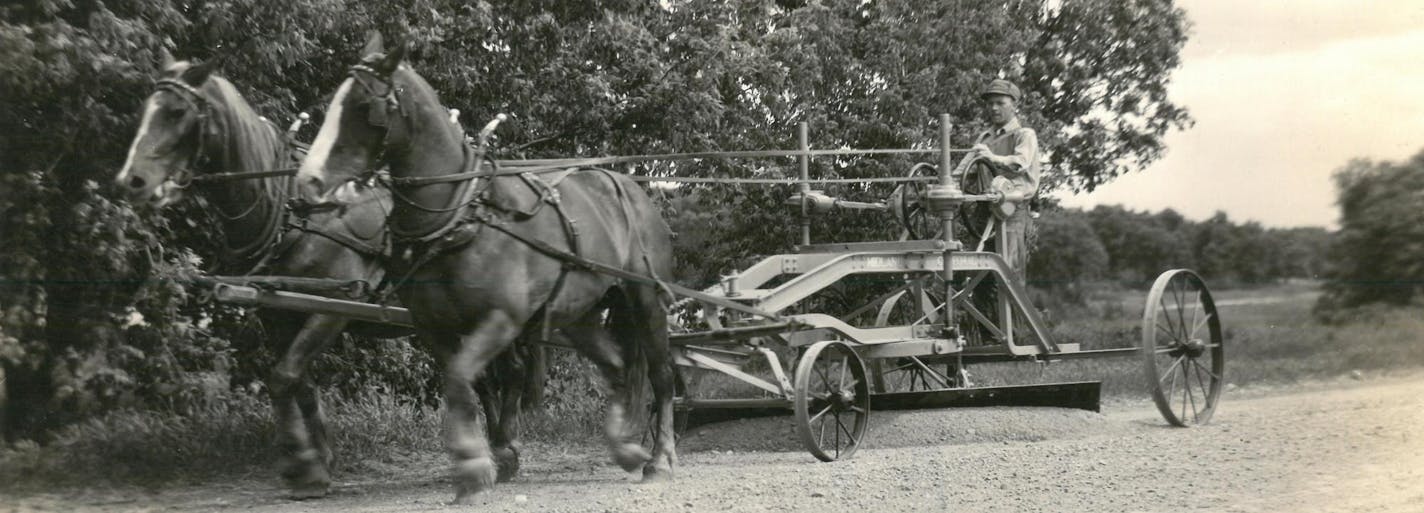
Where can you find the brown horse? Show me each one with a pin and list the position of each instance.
(196, 124)
(477, 277)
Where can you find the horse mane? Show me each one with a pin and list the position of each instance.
(252, 142)
(247, 141)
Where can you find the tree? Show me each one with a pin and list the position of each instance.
(1067, 252)
(1378, 254)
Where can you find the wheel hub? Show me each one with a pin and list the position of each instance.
(1195, 347)
(841, 400)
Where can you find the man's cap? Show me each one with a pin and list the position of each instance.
(1003, 87)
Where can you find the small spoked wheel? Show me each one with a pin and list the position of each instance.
(832, 400)
(1182, 348)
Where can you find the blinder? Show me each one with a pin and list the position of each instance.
(184, 176)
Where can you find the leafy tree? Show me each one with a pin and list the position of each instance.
(1067, 253)
(1378, 254)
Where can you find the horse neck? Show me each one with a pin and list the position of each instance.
(249, 209)
(436, 148)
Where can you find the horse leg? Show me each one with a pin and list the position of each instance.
(644, 323)
(474, 468)
(304, 451)
(505, 430)
(605, 352)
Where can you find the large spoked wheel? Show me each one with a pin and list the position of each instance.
(832, 400)
(1182, 348)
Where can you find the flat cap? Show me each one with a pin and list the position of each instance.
(1003, 87)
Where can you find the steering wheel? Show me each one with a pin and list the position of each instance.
(978, 217)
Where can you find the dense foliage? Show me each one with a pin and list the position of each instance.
(84, 327)
(1131, 248)
(1379, 252)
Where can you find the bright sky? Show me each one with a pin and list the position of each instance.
(1283, 93)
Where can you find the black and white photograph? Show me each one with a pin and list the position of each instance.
(341, 256)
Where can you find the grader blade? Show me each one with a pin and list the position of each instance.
(1078, 395)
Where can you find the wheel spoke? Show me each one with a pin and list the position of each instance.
(821, 439)
(1201, 323)
(1172, 390)
(857, 409)
(1187, 387)
(849, 435)
(844, 366)
(838, 434)
(1183, 416)
(1167, 314)
(1169, 332)
(1206, 370)
(1170, 370)
(1179, 295)
(818, 415)
(1196, 308)
(1196, 369)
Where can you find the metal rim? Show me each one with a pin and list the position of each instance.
(1182, 348)
(831, 394)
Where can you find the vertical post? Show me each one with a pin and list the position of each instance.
(803, 140)
(946, 216)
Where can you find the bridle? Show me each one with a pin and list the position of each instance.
(384, 97)
(383, 104)
(184, 177)
(195, 100)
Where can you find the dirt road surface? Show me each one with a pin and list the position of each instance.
(1346, 446)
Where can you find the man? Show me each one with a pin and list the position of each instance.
(1011, 150)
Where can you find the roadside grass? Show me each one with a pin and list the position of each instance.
(1270, 334)
(1271, 339)
(224, 439)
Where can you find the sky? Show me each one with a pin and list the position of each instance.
(1283, 94)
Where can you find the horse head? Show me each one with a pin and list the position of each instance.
(170, 135)
(363, 122)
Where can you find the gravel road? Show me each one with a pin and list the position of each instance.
(1347, 446)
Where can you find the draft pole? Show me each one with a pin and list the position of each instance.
(803, 140)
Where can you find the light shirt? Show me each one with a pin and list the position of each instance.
(1020, 145)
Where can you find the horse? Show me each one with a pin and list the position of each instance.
(491, 255)
(194, 125)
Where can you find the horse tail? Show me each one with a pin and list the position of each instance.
(536, 371)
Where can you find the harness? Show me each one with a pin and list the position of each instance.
(273, 240)
(472, 208)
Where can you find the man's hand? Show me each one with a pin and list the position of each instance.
(981, 151)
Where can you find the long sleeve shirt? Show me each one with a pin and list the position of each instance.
(1020, 145)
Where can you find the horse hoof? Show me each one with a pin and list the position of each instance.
(630, 456)
(507, 461)
(473, 477)
(653, 474)
(307, 491)
(463, 498)
(306, 478)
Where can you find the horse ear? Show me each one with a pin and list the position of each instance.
(197, 74)
(166, 59)
(388, 64)
(374, 44)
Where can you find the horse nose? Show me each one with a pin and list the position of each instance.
(136, 183)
